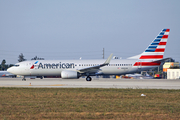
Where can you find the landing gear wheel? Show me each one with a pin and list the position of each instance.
(88, 78)
(24, 79)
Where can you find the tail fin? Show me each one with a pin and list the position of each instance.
(155, 50)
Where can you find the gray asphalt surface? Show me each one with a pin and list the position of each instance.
(95, 83)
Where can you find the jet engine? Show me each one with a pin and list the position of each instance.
(67, 74)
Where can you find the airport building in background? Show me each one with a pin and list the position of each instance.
(173, 74)
(168, 65)
(172, 69)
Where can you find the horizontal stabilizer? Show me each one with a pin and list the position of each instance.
(162, 60)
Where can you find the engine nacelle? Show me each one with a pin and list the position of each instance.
(67, 74)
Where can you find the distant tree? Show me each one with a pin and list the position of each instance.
(21, 58)
(10, 65)
(3, 64)
(37, 58)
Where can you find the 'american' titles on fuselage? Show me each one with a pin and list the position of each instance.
(55, 65)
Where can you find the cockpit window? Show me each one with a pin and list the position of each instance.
(16, 65)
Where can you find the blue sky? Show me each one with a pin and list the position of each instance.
(70, 29)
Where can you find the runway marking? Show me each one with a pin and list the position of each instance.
(101, 83)
(30, 85)
(58, 85)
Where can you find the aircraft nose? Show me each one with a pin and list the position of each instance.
(9, 70)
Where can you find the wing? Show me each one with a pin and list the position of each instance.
(94, 69)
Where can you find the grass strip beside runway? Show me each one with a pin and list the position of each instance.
(88, 103)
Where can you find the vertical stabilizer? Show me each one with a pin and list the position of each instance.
(155, 50)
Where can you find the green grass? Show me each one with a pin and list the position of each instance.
(87, 103)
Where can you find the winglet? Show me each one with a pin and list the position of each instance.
(108, 60)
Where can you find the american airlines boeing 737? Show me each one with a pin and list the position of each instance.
(70, 69)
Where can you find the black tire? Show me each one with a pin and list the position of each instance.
(88, 78)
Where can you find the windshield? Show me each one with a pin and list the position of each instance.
(16, 65)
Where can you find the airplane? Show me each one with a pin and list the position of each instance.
(139, 76)
(72, 69)
(6, 74)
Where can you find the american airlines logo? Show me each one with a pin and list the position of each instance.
(55, 65)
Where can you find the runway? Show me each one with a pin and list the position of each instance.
(95, 83)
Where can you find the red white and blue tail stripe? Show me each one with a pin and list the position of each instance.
(155, 50)
(153, 55)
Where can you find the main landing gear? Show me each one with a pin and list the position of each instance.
(24, 79)
(88, 78)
